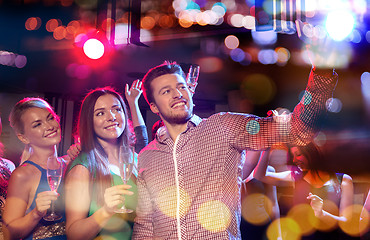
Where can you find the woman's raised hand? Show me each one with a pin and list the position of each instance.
(316, 204)
(74, 150)
(133, 94)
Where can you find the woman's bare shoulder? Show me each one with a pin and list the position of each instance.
(25, 172)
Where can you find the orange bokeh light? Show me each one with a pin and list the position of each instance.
(73, 27)
(165, 21)
(147, 23)
(60, 33)
(304, 216)
(33, 23)
(352, 226)
(52, 24)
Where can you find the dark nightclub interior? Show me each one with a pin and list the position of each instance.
(250, 56)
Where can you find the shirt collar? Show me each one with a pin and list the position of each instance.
(162, 133)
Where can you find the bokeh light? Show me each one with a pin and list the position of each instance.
(236, 20)
(304, 216)
(320, 139)
(185, 19)
(192, 5)
(259, 88)
(93, 48)
(264, 37)
(364, 221)
(355, 36)
(203, 18)
(60, 33)
(333, 105)
(257, 208)
(230, 5)
(20, 61)
(52, 24)
(231, 42)
(168, 201)
(237, 55)
(267, 56)
(307, 30)
(33, 23)
(329, 224)
(305, 97)
(339, 24)
(219, 8)
(7, 58)
(73, 27)
(247, 59)
(147, 22)
(191, 12)
(274, 230)
(214, 216)
(352, 225)
(283, 56)
(166, 21)
(253, 127)
(365, 84)
(289, 229)
(367, 36)
(249, 22)
(12, 60)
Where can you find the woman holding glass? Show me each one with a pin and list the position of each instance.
(29, 195)
(94, 190)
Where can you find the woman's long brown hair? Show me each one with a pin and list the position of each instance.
(96, 156)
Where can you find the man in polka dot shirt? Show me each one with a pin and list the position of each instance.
(190, 175)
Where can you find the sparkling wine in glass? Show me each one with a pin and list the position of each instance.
(192, 77)
(193, 74)
(54, 176)
(126, 164)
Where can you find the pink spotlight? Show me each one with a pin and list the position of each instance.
(93, 48)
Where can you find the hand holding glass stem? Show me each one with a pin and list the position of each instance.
(54, 176)
(126, 164)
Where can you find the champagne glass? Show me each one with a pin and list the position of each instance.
(192, 77)
(54, 175)
(126, 164)
(193, 74)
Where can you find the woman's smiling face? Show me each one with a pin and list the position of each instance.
(109, 118)
(41, 127)
(299, 159)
